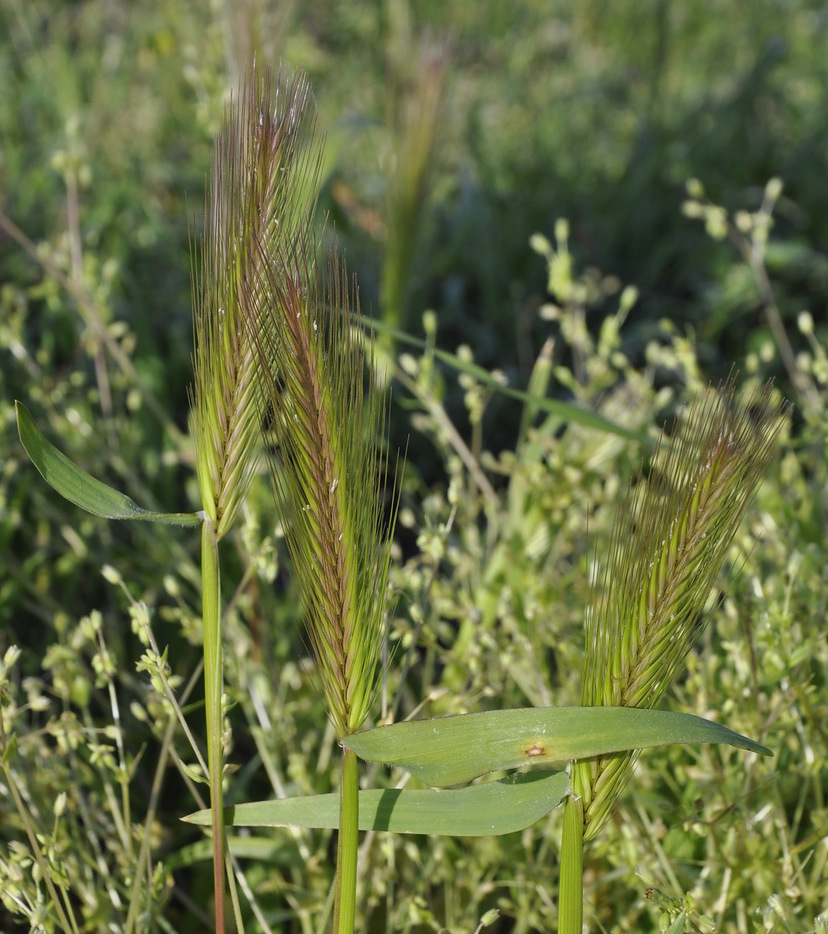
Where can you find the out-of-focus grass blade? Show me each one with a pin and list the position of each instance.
(262, 849)
(453, 750)
(478, 810)
(81, 488)
(567, 411)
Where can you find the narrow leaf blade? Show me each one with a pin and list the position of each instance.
(566, 410)
(79, 487)
(490, 809)
(453, 750)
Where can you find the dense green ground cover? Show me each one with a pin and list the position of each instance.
(445, 156)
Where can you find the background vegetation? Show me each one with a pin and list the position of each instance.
(456, 131)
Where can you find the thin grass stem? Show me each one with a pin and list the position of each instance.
(155, 794)
(348, 845)
(122, 761)
(249, 895)
(211, 618)
(232, 868)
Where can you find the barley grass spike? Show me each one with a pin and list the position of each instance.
(329, 470)
(259, 195)
(668, 544)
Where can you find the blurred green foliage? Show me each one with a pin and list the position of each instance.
(587, 110)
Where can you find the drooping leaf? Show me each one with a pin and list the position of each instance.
(453, 750)
(79, 487)
(490, 809)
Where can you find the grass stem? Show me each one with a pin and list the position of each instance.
(211, 616)
(571, 906)
(346, 854)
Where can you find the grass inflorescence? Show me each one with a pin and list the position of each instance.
(668, 544)
(258, 196)
(328, 473)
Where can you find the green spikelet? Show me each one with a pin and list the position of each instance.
(259, 194)
(668, 544)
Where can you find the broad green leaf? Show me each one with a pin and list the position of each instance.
(490, 809)
(78, 486)
(567, 411)
(453, 750)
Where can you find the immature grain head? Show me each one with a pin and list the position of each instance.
(259, 196)
(328, 467)
(668, 544)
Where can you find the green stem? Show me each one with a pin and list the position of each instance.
(211, 616)
(346, 853)
(571, 905)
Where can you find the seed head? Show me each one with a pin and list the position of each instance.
(329, 467)
(258, 195)
(668, 544)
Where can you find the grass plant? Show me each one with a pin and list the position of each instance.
(418, 85)
(648, 610)
(263, 162)
(328, 474)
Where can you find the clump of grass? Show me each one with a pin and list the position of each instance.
(669, 541)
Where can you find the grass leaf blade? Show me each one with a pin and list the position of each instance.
(453, 750)
(489, 809)
(81, 488)
(566, 410)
